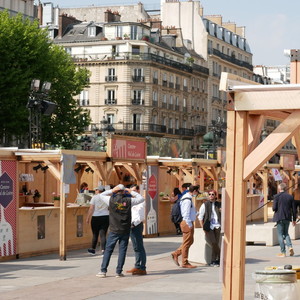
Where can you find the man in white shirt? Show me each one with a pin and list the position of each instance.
(136, 236)
(188, 213)
(210, 211)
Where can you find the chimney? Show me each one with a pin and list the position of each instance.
(63, 22)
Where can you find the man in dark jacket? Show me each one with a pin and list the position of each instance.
(119, 201)
(284, 213)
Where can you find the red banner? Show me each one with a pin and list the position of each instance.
(128, 149)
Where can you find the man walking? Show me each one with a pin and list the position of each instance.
(136, 236)
(119, 205)
(188, 213)
(210, 214)
(284, 213)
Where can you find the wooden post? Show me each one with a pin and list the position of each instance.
(235, 225)
(265, 192)
(62, 223)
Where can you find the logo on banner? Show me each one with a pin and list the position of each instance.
(6, 190)
(276, 175)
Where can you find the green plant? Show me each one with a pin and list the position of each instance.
(37, 194)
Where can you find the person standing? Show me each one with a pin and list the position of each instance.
(119, 204)
(98, 215)
(284, 213)
(188, 213)
(210, 213)
(136, 236)
(176, 195)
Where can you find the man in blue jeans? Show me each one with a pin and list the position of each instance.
(284, 213)
(119, 204)
(136, 236)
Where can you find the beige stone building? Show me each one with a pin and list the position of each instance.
(156, 77)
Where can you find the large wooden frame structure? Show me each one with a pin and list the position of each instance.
(248, 106)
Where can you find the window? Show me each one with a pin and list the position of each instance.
(92, 31)
(171, 99)
(170, 123)
(110, 118)
(133, 32)
(138, 75)
(135, 50)
(84, 98)
(111, 74)
(184, 102)
(111, 94)
(136, 120)
(176, 124)
(154, 96)
(177, 101)
(137, 94)
(119, 31)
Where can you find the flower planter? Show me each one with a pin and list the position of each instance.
(56, 203)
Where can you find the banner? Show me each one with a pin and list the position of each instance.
(8, 207)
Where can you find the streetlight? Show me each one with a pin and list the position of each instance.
(38, 104)
(215, 137)
(97, 141)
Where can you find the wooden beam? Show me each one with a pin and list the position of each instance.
(296, 141)
(208, 172)
(228, 210)
(275, 141)
(130, 170)
(272, 100)
(188, 174)
(53, 170)
(228, 80)
(255, 126)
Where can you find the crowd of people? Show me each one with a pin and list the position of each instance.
(122, 210)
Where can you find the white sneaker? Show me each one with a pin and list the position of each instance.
(101, 275)
(119, 275)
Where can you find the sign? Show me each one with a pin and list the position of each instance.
(68, 163)
(276, 175)
(287, 161)
(8, 207)
(127, 149)
(152, 187)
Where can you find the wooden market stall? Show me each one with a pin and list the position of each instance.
(248, 106)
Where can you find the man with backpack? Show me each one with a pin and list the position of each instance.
(188, 213)
(119, 201)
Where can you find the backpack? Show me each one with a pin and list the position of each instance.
(176, 216)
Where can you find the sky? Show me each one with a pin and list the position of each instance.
(271, 25)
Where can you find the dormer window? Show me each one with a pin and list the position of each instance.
(92, 31)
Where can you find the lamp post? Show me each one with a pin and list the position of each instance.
(97, 141)
(215, 137)
(38, 105)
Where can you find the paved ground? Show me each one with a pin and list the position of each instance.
(45, 277)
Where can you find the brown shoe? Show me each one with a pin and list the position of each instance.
(175, 258)
(189, 266)
(139, 272)
(132, 270)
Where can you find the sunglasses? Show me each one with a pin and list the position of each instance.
(210, 194)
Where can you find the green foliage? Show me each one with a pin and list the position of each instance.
(27, 53)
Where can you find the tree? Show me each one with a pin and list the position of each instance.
(27, 53)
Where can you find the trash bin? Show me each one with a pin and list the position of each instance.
(276, 285)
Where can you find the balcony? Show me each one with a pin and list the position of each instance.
(110, 101)
(230, 59)
(170, 106)
(177, 107)
(170, 131)
(164, 83)
(171, 85)
(186, 132)
(155, 80)
(177, 86)
(137, 102)
(139, 128)
(184, 109)
(200, 129)
(141, 56)
(111, 78)
(185, 88)
(164, 105)
(138, 78)
(154, 103)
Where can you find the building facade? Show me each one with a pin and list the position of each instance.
(154, 77)
(25, 7)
